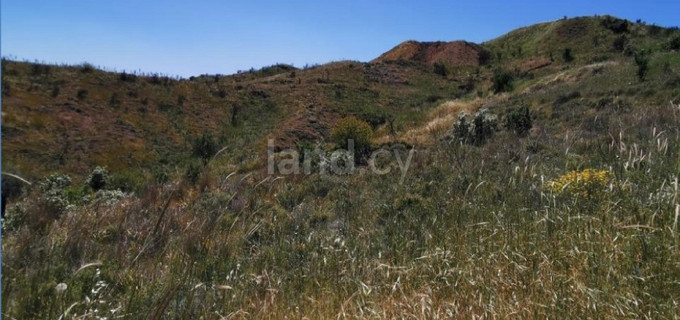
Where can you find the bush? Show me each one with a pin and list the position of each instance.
(192, 173)
(98, 179)
(502, 81)
(6, 88)
(620, 43)
(352, 128)
(125, 77)
(86, 68)
(205, 147)
(642, 62)
(482, 127)
(614, 24)
(674, 44)
(53, 198)
(55, 91)
(585, 184)
(567, 55)
(161, 175)
(127, 181)
(519, 120)
(441, 69)
(372, 115)
(81, 94)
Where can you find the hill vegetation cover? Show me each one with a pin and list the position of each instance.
(535, 175)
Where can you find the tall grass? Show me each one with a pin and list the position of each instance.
(474, 232)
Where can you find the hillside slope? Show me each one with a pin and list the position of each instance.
(535, 185)
(455, 53)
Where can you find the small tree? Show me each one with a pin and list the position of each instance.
(352, 128)
(205, 147)
(642, 62)
(519, 120)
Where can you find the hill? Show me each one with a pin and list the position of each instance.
(534, 175)
(455, 53)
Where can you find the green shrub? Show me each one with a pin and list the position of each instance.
(81, 94)
(6, 88)
(86, 68)
(476, 131)
(642, 62)
(352, 128)
(55, 91)
(205, 147)
(98, 179)
(161, 175)
(567, 55)
(127, 181)
(125, 77)
(615, 25)
(674, 44)
(53, 198)
(192, 173)
(620, 43)
(372, 115)
(519, 120)
(502, 81)
(441, 69)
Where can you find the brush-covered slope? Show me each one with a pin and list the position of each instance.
(574, 216)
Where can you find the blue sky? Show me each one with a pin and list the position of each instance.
(194, 37)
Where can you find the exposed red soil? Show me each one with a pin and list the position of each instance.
(455, 53)
(534, 64)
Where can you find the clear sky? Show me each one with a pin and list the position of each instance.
(193, 37)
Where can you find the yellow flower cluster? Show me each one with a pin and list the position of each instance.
(584, 184)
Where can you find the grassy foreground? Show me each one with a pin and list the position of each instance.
(460, 238)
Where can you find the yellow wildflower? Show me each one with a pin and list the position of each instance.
(587, 183)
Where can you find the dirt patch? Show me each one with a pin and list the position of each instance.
(455, 53)
(311, 124)
(534, 64)
(384, 73)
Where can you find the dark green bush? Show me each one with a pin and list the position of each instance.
(441, 69)
(81, 94)
(620, 43)
(674, 44)
(615, 25)
(642, 62)
(567, 55)
(86, 68)
(502, 81)
(204, 147)
(98, 179)
(125, 77)
(519, 120)
(192, 173)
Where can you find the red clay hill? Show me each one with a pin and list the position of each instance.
(454, 53)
